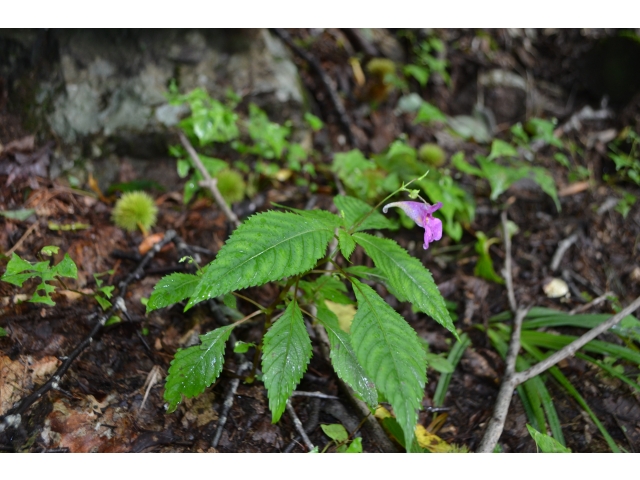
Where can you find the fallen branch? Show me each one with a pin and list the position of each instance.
(576, 345)
(299, 427)
(228, 402)
(343, 118)
(507, 263)
(496, 424)
(13, 418)
(209, 182)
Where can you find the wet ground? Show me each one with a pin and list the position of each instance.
(111, 399)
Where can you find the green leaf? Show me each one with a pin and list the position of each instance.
(355, 210)
(50, 250)
(421, 74)
(20, 214)
(15, 267)
(461, 164)
(3, 332)
(183, 167)
(545, 443)
(113, 320)
(439, 363)
(314, 122)
(543, 178)
(66, 268)
(346, 243)
(335, 432)
(355, 446)
(230, 301)
(343, 357)
(267, 247)
(195, 368)
(172, 289)
(428, 113)
(500, 148)
(391, 354)
(329, 219)
(500, 177)
(242, 347)
(484, 267)
(325, 287)
(407, 278)
(103, 302)
(287, 351)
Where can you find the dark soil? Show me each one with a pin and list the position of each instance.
(99, 405)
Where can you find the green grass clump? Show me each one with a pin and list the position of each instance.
(133, 210)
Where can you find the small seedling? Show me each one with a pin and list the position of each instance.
(19, 270)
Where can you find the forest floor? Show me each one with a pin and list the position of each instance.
(111, 398)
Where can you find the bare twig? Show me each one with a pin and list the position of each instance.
(596, 301)
(13, 417)
(22, 239)
(314, 394)
(507, 263)
(576, 345)
(299, 427)
(496, 424)
(343, 118)
(209, 182)
(563, 246)
(228, 402)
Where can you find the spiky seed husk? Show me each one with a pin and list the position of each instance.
(135, 208)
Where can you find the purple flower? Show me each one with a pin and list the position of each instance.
(422, 214)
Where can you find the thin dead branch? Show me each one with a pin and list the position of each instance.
(228, 402)
(496, 424)
(507, 263)
(209, 182)
(299, 427)
(563, 246)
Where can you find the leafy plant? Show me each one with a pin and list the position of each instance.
(501, 177)
(340, 438)
(371, 179)
(103, 293)
(379, 354)
(18, 271)
(627, 164)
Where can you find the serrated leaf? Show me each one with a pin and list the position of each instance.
(500, 148)
(195, 368)
(346, 243)
(343, 357)
(407, 278)
(355, 209)
(267, 247)
(172, 289)
(329, 219)
(389, 350)
(286, 353)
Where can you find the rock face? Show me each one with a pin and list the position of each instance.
(108, 86)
